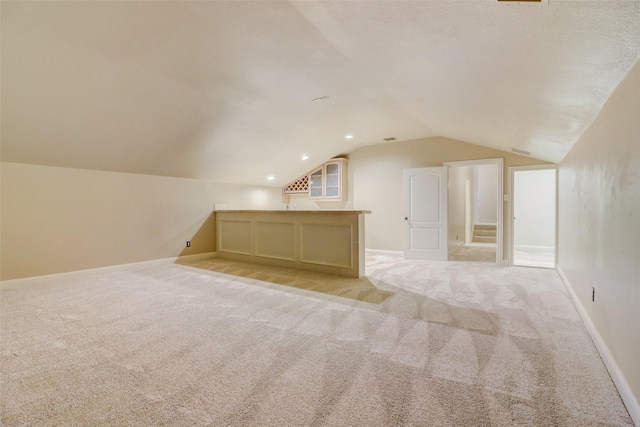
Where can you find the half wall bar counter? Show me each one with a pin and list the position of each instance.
(328, 241)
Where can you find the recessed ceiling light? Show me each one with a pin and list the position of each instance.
(349, 137)
(271, 178)
(304, 157)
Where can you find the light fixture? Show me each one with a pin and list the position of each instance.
(271, 178)
(349, 136)
(304, 157)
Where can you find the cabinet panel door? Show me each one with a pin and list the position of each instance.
(315, 185)
(332, 180)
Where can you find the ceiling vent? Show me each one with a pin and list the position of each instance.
(390, 139)
(517, 150)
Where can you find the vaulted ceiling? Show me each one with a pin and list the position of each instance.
(223, 90)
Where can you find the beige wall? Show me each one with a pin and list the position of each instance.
(57, 219)
(599, 224)
(376, 177)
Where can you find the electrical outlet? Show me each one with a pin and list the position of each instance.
(593, 294)
(188, 243)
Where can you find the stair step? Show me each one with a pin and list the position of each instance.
(484, 239)
(484, 227)
(484, 233)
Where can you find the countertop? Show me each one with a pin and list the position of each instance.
(325, 211)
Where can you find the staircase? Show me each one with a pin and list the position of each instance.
(484, 233)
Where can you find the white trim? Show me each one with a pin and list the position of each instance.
(196, 257)
(384, 252)
(628, 398)
(117, 267)
(500, 221)
(533, 247)
(480, 245)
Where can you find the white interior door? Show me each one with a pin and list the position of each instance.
(425, 213)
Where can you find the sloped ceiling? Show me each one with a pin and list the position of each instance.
(223, 90)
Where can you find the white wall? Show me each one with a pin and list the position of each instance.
(58, 219)
(485, 179)
(599, 225)
(535, 208)
(458, 175)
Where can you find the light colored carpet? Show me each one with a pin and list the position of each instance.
(417, 343)
(529, 256)
(475, 252)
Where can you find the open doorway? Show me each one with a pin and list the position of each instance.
(533, 216)
(475, 210)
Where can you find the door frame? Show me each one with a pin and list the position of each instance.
(512, 171)
(499, 189)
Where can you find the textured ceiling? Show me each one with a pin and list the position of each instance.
(223, 90)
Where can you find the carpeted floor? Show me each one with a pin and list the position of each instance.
(223, 343)
(473, 252)
(528, 256)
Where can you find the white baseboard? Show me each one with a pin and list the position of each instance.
(629, 399)
(481, 245)
(196, 257)
(505, 262)
(384, 252)
(118, 267)
(533, 247)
